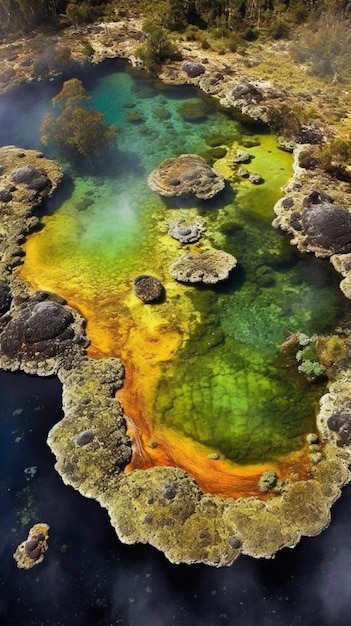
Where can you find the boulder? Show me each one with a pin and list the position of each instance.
(32, 177)
(186, 175)
(327, 226)
(148, 288)
(187, 231)
(255, 178)
(193, 69)
(247, 92)
(209, 267)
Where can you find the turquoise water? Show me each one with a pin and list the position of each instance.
(226, 383)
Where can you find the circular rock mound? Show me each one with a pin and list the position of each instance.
(209, 267)
(148, 288)
(186, 175)
(187, 231)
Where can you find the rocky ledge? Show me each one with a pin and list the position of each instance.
(184, 176)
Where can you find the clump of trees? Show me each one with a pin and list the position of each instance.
(157, 46)
(78, 133)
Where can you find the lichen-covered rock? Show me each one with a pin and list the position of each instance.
(148, 288)
(186, 175)
(187, 231)
(193, 69)
(209, 267)
(31, 552)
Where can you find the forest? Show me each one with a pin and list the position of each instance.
(243, 17)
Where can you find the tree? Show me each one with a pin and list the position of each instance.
(78, 133)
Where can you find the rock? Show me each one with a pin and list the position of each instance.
(187, 231)
(317, 197)
(193, 69)
(340, 422)
(31, 552)
(209, 267)
(186, 175)
(267, 481)
(255, 178)
(242, 157)
(148, 288)
(40, 333)
(5, 297)
(5, 195)
(327, 226)
(32, 177)
(247, 92)
(243, 172)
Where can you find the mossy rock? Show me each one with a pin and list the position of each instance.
(135, 117)
(162, 113)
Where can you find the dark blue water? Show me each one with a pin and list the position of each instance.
(88, 577)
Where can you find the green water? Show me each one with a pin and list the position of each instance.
(228, 386)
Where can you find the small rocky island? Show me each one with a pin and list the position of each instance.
(184, 176)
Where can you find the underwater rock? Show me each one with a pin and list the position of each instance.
(187, 231)
(208, 267)
(193, 69)
(31, 552)
(148, 288)
(186, 175)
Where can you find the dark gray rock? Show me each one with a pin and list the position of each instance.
(247, 92)
(32, 177)
(193, 69)
(327, 226)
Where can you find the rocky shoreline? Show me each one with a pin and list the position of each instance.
(41, 334)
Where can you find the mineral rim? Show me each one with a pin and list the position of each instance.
(40, 334)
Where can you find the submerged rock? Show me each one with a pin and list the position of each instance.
(187, 231)
(209, 267)
(148, 288)
(186, 175)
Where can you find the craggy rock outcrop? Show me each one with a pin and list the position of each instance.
(187, 231)
(39, 334)
(208, 267)
(317, 217)
(186, 175)
(26, 178)
(32, 551)
(148, 288)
